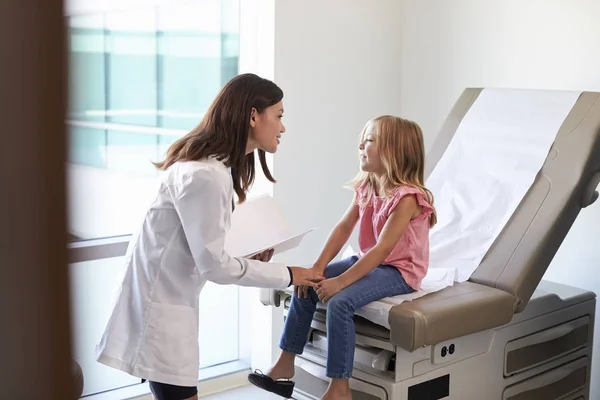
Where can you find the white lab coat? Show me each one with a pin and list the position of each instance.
(152, 332)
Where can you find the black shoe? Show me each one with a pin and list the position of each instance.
(283, 388)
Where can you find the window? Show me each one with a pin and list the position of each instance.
(139, 78)
(146, 68)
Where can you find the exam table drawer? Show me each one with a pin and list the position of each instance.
(311, 376)
(556, 384)
(373, 357)
(538, 348)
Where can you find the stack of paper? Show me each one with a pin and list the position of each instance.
(258, 225)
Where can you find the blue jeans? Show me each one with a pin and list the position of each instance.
(383, 281)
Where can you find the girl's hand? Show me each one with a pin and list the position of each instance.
(264, 256)
(329, 288)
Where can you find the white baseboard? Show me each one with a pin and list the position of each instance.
(211, 380)
(223, 383)
(213, 385)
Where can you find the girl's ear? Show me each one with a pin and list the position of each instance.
(253, 117)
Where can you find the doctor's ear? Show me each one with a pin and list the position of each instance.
(253, 117)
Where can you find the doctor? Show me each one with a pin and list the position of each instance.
(152, 332)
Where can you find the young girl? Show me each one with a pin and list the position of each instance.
(395, 212)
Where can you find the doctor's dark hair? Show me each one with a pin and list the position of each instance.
(223, 132)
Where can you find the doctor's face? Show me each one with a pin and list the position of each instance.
(266, 129)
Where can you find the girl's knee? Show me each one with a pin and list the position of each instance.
(339, 304)
(309, 299)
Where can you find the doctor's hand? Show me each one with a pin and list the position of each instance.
(305, 276)
(264, 256)
(329, 288)
(301, 291)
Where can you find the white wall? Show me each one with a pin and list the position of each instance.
(547, 44)
(446, 46)
(338, 62)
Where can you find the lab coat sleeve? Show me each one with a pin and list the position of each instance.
(202, 202)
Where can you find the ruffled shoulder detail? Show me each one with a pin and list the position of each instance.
(426, 208)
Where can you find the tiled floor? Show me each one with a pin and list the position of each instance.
(243, 393)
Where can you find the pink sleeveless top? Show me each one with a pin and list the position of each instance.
(411, 253)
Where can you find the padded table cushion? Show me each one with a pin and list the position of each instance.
(459, 310)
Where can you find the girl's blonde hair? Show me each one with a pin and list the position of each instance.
(402, 151)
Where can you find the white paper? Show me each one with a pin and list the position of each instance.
(491, 162)
(258, 225)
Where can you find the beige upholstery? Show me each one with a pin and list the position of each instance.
(456, 311)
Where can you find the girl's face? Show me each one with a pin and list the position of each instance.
(370, 161)
(266, 129)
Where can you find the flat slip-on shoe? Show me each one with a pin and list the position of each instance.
(283, 388)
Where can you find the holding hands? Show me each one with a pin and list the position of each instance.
(305, 277)
(301, 277)
(325, 289)
(302, 290)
